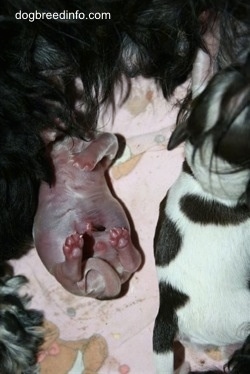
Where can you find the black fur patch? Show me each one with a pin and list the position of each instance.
(207, 212)
(166, 323)
(186, 168)
(167, 240)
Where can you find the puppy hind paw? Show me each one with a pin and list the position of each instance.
(128, 255)
(73, 246)
(119, 237)
(72, 249)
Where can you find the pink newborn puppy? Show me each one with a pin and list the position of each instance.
(80, 230)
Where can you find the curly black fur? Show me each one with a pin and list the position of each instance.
(21, 332)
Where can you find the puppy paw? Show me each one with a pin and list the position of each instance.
(119, 237)
(83, 162)
(128, 255)
(72, 248)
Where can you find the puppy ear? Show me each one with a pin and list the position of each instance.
(178, 136)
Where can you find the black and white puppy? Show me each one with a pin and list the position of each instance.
(202, 251)
(21, 332)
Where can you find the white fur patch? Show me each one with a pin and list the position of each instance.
(222, 183)
(164, 363)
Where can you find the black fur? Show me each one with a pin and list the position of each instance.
(212, 212)
(166, 235)
(21, 332)
(166, 324)
(186, 168)
(240, 361)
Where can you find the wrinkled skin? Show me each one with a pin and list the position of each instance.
(80, 230)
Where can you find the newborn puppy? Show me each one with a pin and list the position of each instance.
(80, 230)
(202, 237)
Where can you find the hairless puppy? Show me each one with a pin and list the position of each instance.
(80, 230)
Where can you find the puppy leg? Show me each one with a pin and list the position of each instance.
(129, 257)
(94, 277)
(72, 249)
(105, 145)
(166, 329)
(70, 271)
